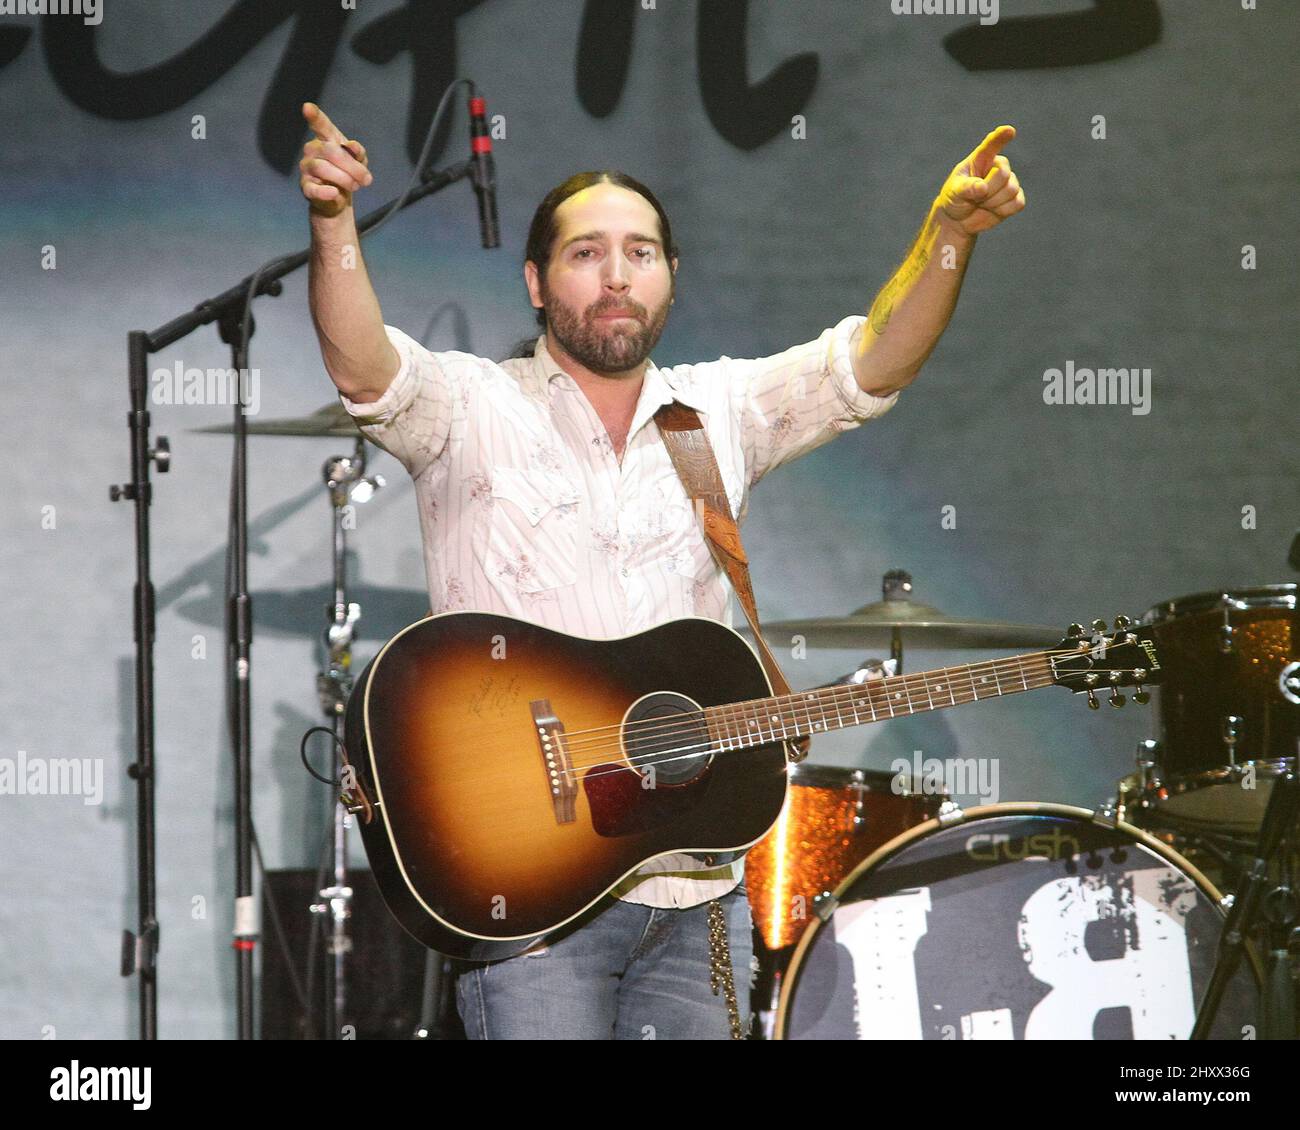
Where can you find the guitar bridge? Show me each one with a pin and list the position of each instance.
(555, 760)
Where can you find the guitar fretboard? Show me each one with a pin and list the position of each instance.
(758, 721)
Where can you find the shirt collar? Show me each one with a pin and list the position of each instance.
(660, 387)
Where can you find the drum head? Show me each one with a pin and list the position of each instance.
(1017, 922)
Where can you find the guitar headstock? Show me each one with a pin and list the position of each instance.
(1088, 663)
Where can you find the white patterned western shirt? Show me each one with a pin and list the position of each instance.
(525, 511)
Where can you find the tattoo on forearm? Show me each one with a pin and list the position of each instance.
(883, 307)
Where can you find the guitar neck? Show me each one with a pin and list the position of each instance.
(739, 725)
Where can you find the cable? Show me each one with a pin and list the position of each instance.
(302, 754)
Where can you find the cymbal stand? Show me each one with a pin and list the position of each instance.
(1255, 892)
(896, 585)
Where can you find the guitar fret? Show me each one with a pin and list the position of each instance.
(820, 706)
(947, 685)
(743, 725)
(865, 700)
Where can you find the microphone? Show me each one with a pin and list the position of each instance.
(485, 185)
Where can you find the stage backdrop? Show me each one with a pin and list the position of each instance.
(151, 162)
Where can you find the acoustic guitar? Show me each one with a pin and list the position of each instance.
(512, 775)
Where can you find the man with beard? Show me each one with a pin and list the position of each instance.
(546, 493)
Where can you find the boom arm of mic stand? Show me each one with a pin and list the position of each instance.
(233, 299)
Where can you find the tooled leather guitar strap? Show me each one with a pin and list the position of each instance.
(692, 455)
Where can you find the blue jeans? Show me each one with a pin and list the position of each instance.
(632, 973)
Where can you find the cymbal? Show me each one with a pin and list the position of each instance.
(332, 420)
(919, 625)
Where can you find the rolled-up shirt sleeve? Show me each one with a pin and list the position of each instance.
(793, 402)
(412, 420)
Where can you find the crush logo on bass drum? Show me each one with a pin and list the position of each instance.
(989, 847)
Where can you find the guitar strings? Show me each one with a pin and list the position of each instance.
(725, 744)
(806, 702)
(838, 696)
(872, 685)
(876, 684)
(696, 750)
(877, 692)
(824, 699)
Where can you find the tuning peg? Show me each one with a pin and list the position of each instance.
(1099, 625)
(1142, 698)
(1074, 631)
(1093, 704)
(1116, 699)
(1122, 622)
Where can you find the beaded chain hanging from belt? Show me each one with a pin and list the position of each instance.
(721, 976)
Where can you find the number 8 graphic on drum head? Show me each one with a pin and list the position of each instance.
(1014, 922)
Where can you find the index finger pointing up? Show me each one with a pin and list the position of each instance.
(320, 123)
(990, 147)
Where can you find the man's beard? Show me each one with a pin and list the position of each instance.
(606, 347)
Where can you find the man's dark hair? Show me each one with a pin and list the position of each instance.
(542, 231)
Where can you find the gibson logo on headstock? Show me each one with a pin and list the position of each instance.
(1150, 648)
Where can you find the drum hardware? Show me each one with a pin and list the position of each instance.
(1148, 756)
(867, 669)
(1278, 996)
(858, 787)
(1288, 682)
(1227, 633)
(824, 905)
(950, 812)
(1232, 724)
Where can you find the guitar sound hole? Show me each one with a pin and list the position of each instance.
(665, 738)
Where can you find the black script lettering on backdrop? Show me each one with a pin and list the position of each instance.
(745, 115)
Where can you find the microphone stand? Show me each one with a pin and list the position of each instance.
(230, 310)
(348, 485)
(1276, 1010)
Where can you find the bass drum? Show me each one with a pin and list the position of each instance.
(1014, 922)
